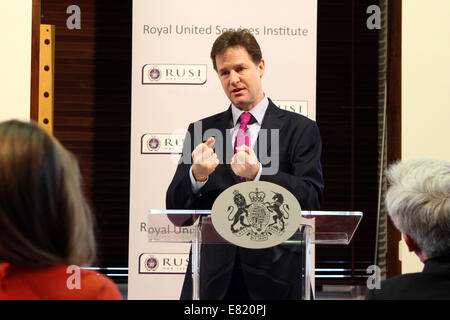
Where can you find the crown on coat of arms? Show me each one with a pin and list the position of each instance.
(257, 196)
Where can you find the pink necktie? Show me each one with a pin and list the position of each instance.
(241, 137)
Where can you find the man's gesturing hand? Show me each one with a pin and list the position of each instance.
(204, 160)
(245, 162)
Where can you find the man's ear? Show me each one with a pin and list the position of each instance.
(261, 67)
(412, 245)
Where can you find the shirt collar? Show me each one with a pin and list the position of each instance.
(257, 111)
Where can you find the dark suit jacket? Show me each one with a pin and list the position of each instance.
(432, 283)
(272, 273)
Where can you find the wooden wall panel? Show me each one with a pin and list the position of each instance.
(347, 74)
(93, 112)
(394, 120)
(35, 43)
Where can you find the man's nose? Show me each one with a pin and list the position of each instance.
(234, 78)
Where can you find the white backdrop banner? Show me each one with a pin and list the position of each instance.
(174, 84)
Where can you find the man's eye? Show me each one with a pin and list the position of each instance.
(224, 73)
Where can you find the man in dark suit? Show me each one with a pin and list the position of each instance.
(288, 149)
(418, 202)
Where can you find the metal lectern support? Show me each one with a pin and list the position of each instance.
(307, 273)
(196, 247)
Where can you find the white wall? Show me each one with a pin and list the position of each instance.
(15, 59)
(425, 88)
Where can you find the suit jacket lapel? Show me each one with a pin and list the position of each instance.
(272, 120)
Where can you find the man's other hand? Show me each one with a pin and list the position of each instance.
(245, 163)
(204, 160)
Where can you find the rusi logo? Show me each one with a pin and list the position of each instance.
(151, 263)
(154, 74)
(251, 220)
(300, 107)
(174, 74)
(163, 263)
(162, 143)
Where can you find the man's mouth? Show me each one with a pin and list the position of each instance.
(237, 90)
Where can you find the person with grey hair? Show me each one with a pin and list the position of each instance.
(418, 202)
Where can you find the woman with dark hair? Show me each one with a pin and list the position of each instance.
(46, 226)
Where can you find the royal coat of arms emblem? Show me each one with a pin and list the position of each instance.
(256, 214)
(258, 219)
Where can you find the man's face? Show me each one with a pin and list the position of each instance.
(240, 77)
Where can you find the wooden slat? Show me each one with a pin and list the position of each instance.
(35, 43)
(394, 120)
(46, 77)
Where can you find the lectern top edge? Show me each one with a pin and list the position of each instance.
(304, 213)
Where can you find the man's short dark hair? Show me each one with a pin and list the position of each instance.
(236, 38)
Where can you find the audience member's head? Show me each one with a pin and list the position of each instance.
(44, 218)
(418, 202)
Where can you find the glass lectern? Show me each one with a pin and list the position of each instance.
(195, 227)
